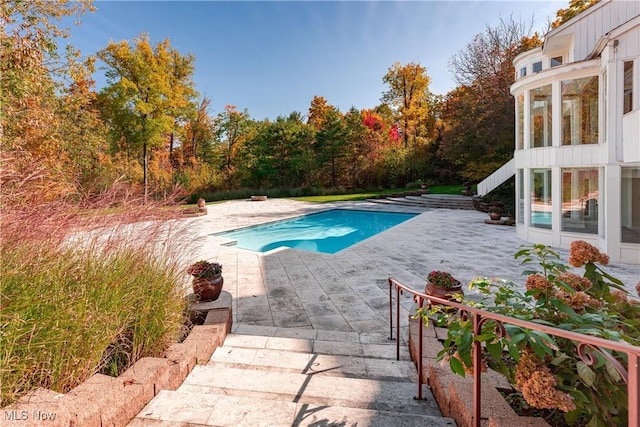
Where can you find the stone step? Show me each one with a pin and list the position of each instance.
(316, 364)
(427, 202)
(174, 408)
(373, 350)
(308, 388)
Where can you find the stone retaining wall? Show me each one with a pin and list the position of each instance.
(108, 401)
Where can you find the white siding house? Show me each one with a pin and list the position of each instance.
(577, 149)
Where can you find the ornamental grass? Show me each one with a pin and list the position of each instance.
(82, 290)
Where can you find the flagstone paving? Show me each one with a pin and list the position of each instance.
(348, 291)
(309, 343)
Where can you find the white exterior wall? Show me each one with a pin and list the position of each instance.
(610, 34)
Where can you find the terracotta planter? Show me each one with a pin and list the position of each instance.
(440, 292)
(208, 289)
(495, 216)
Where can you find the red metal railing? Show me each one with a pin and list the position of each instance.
(585, 345)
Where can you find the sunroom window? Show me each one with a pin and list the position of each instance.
(630, 205)
(540, 198)
(580, 200)
(520, 122)
(580, 111)
(540, 106)
(520, 180)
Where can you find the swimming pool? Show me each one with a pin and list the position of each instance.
(327, 232)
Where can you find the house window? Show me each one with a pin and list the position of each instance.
(628, 88)
(541, 198)
(520, 123)
(580, 111)
(537, 66)
(540, 110)
(556, 61)
(580, 200)
(520, 214)
(523, 71)
(630, 205)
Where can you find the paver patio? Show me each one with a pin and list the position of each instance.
(348, 291)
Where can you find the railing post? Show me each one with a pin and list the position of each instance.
(397, 323)
(420, 343)
(633, 388)
(390, 310)
(477, 371)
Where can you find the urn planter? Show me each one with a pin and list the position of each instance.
(208, 289)
(442, 292)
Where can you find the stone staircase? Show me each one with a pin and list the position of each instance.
(430, 201)
(310, 378)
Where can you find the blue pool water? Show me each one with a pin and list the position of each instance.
(328, 232)
(541, 219)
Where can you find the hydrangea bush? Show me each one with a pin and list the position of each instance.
(547, 370)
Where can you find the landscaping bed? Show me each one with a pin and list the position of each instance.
(114, 401)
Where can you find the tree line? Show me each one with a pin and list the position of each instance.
(150, 128)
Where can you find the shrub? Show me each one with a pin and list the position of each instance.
(548, 370)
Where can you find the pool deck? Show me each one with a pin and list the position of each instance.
(348, 291)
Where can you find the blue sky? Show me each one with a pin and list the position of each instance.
(272, 57)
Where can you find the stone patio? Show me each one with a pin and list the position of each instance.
(348, 291)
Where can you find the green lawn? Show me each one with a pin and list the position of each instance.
(436, 189)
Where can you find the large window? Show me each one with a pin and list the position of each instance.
(520, 123)
(630, 205)
(541, 116)
(580, 200)
(628, 88)
(580, 111)
(520, 214)
(541, 198)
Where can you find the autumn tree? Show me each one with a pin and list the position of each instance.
(408, 97)
(150, 91)
(46, 103)
(318, 111)
(233, 129)
(479, 115)
(376, 135)
(575, 7)
(199, 133)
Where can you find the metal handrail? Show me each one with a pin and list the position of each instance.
(630, 375)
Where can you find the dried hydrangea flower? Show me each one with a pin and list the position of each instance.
(577, 282)
(540, 392)
(526, 366)
(578, 300)
(538, 282)
(619, 295)
(582, 252)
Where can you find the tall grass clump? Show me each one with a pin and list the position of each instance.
(82, 291)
